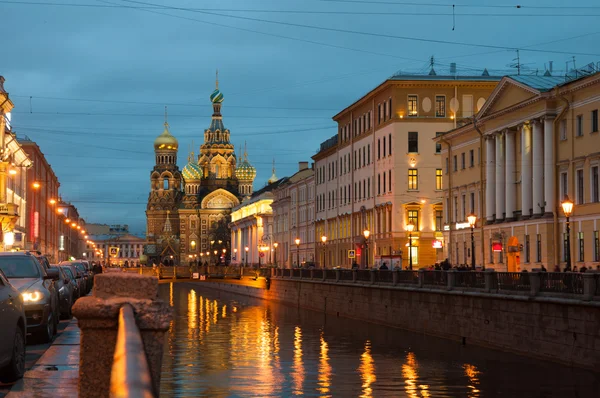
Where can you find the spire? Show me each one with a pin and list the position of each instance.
(166, 117)
(245, 151)
(217, 80)
(273, 176)
(167, 227)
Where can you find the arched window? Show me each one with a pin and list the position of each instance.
(166, 183)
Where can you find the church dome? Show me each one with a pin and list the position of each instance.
(166, 140)
(245, 171)
(192, 171)
(217, 97)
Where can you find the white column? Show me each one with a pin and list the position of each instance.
(538, 167)
(511, 197)
(549, 165)
(500, 182)
(490, 176)
(526, 185)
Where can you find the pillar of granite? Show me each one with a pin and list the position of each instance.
(97, 316)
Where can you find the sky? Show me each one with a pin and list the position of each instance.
(90, 78)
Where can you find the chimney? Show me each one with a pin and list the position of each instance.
(302, 166)
(550, 66)
(453, 68)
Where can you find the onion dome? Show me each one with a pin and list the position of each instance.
(192, 171)
(217, 96)
(166, 141)
(245, 171)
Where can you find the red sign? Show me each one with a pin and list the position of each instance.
(437, 244)
(497, 246)
(261, 254)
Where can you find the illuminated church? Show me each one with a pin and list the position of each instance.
(188, 210)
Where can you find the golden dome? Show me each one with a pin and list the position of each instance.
(166, 141)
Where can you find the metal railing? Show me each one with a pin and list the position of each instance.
(561, 282)
(470, 279)
(512, 281)
(435, 278)
(130, 374)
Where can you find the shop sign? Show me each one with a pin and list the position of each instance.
(462, 225)
(497, 246)
(351, 254)
(437, 244)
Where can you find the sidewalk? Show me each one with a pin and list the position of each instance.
(56, 373)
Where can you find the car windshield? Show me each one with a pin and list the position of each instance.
(68, 272)
(19, 267)
(80, 267)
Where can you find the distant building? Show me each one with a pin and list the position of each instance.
(105, 229)
(121, 250)
(294, 218)
(72, 232)
(539, 139)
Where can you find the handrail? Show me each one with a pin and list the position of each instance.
(130, 375)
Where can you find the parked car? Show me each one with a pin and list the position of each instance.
(71, 273)
(37, 289)
(65, 293)
(12, 332)
(86, 276)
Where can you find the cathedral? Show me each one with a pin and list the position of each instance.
(188, 211)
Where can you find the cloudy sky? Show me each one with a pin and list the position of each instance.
(90, 78)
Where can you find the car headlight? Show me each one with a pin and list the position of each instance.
(33, 297)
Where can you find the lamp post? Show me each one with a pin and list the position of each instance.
(224, 258)
(246, 249)
(472, 218)
(324, 240)
(235, 254)
(275, 252)
(410, 228)
(567, 206)
(216, 258)
(297, 241)
(366, 234)
(259, 255)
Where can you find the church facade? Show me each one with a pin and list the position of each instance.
(188, 211)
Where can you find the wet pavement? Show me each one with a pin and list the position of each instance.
(55, 372)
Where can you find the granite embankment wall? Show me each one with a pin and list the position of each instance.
(560, 330)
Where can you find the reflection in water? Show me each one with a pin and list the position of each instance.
(222, 345)
(471, 372)
(324, 368)
(171, 304)
(298, 367)
(367, 371)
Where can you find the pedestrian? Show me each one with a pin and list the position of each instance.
(583, 268)
(575, 269)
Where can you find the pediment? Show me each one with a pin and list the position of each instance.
(220, 199)
(506, 94)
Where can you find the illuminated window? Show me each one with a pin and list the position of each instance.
(413, 109)
(440, 106)
(413, 218)
(438, 179)
(413, 179)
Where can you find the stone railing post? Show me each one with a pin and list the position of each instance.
(372, 275)
(489, 276)
(395, 275)
(589, 286)
(421, 278)
(97, 316)
(534, 283)
(337, 275)
(311, 274)
(451, 282)
(354, 275)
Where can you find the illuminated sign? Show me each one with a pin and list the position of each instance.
(497, 246)
(61, 243)
(446, 227)
(462, 225)
(113, 251)
(36, 224)
(437, 244)
(351, 254)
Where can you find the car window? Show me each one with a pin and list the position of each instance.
(68, 272)
(19, 267)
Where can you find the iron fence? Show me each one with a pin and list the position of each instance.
(346, 275)
(363, 275)
(317, 273)
(435, 278)
(409, 277)
(513, 281)
(561, 282)
(296, 273)
(330, 274)
(383, 276)
(469, 279)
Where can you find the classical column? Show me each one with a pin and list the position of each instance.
(526, 185)
(490, 176)
(538, 167)
(549, 165)
(500, 182)
(511, 195)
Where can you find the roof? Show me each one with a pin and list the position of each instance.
(116, 238)
(540, 83)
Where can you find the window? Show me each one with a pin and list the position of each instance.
(364, 156)
(594, 120)
(378, 149)
(539, 248)
(413, 218)
(464, 207)
(455, 163)
(579, 125)
(378, 113)
(413, 142)
(563, 130)
(471, 158)
(413, 109)
(438, 179)
(383, 182)
(580, 199)
(455, 209)
(413, 179)
(364, 189)
(369, 154)
(564, 185)
(527, 249)
(378, 184)
(369, 120)
(438, 220)
(594, 188)
(447, 161)
(472, 202)
(166, 183)
(369, 187)
(438, 145)
(359, 163)
(390, 144)
(390, 179)
(462, 160)
(440, 106)
(596, 246)
(383, 146)
(581, 246)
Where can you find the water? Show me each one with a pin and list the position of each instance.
(225, 345)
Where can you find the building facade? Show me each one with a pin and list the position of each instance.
(123, 250)
(538, 136)
(189, 209)
(294, 218)
(72, 232)
(381, 172)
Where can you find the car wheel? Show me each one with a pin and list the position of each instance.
(45, 336)
(16, 368)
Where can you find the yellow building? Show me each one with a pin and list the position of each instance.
(539, 141)
(382, 171)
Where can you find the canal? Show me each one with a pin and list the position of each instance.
(224, 345)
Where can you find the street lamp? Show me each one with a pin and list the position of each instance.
(246, 249)
(410, 228)
(567, 206)
(366, 234)
(275, 252)
(324, 240)
(472, 218)
(297, 241)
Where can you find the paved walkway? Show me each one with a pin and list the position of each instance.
(56, 373)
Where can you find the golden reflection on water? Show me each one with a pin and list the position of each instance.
(367, 371)
(215, 311)
(472, 373)
(324, 368)
(411, 378)
(192, 310)
(224, 311)
(208, 315)
(172, 323)
(298, 367)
